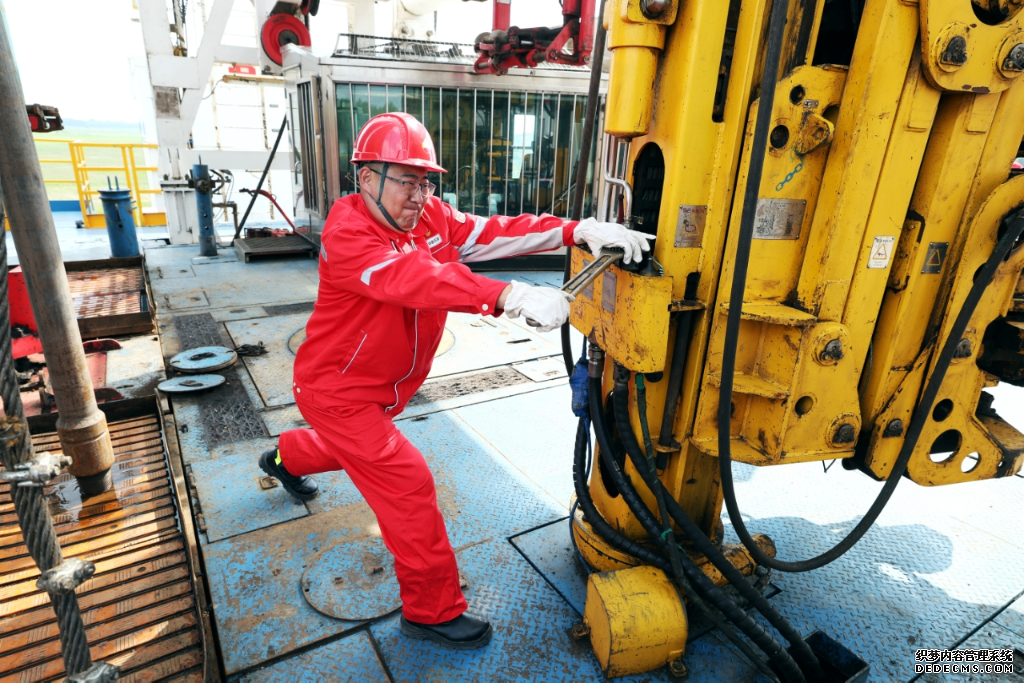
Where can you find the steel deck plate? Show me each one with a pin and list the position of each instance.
(336, 491)
(230, 285)
(255, 583)
(233, 500)
(353, 581)
(351, 659)
(481, 494)
(531, 640)
(486, 342)
(536, 434)
(137, 367)
(550, 551)
(272, 372)
(919, 577)
(283, 419)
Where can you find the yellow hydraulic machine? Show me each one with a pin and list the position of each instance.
(836, 275)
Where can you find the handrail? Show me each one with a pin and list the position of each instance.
(128, 168)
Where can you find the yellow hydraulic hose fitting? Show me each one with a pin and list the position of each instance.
(636, 37)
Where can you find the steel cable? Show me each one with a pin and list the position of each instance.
(33, 515)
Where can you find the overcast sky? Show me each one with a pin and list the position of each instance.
(77, 54)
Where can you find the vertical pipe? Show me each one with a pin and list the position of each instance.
(80, 424)
(554, 147)
(204, 205)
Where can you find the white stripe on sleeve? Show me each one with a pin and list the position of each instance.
(504, 247)
(467, 249)
(365, 277)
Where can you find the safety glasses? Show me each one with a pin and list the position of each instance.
(425, 189)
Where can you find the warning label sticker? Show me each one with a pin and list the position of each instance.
(934, 257)
(881, 251)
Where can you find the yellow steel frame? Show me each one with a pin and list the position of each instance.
(882, 194)
(129, 169)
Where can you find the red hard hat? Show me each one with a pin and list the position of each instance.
(396, 138)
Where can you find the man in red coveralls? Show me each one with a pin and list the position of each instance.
(391, 267)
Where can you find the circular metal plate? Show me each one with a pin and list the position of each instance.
(352, 581)
(204, 359)
(447, 341)
(183, 385)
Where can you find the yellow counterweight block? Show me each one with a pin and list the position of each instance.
(636, 619)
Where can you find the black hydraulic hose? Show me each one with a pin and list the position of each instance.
(704, 587)
(675, 378)
(643, 553)
(917, 422)
(801, 650)
(589, 123)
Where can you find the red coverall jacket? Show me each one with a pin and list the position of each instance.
(384, 296)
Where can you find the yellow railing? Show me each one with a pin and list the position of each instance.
(92, 211)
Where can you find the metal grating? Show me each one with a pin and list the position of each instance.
(113, 281)
(434, 392)
(273, 245)
(108, 292)
(197, 330)
(290, 309)
(376, 47)
(101, 306)
(138, 608)
(227, 412)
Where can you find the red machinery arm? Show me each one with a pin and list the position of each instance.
(44, 119)
(505, 48)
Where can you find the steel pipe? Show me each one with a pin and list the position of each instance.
(80, 424)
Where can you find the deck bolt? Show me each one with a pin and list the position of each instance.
(963, 349)
(845, 433)
(579, 631)
(832, 352)
(1015, 60)
(955, 53)
(677, 668)
(894, 428)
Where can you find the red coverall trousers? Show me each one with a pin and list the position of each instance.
(393, 477)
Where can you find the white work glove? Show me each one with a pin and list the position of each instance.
(545, 308)
(598, 235)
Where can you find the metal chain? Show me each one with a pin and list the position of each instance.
(33, 514)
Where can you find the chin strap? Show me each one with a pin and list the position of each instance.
(380, 195)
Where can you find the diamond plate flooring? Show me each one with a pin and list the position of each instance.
(232, 500)
(349, 660)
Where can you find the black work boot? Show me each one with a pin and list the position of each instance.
(464, 632)
(303, 488)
